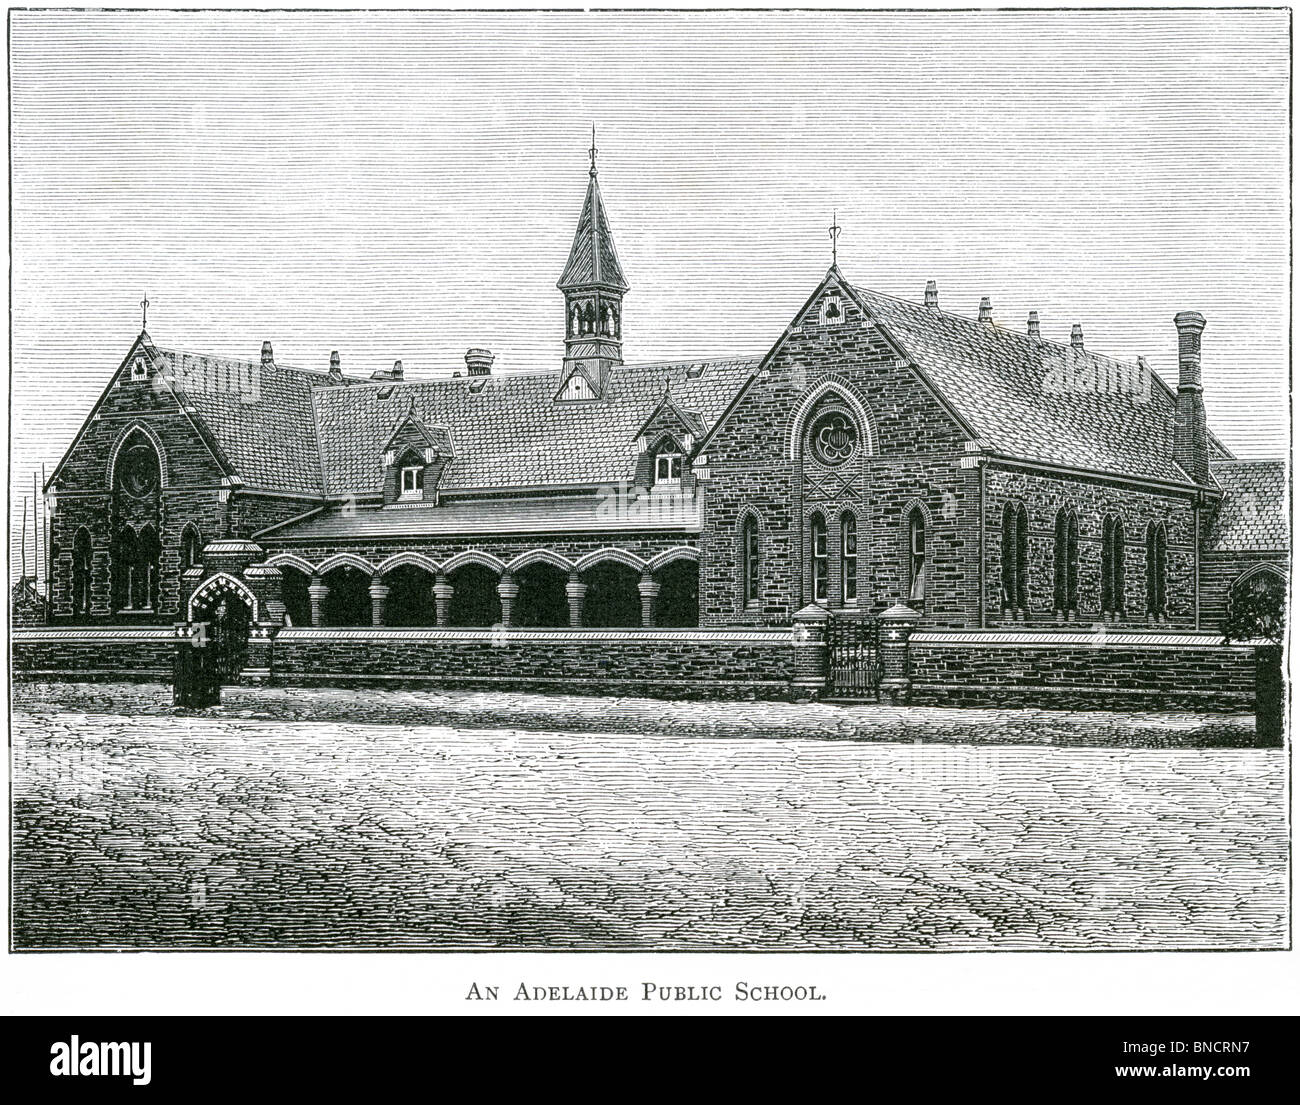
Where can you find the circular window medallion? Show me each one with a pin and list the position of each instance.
(833, 438)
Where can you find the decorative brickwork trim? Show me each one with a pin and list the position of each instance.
(1109, 639)
(381, 633)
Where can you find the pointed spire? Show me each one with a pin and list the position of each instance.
(593, 261)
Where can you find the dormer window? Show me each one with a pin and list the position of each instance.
(668, 468)
(412, 482)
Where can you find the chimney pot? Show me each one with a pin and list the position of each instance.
(1076, 336)
(478, 362)
(1034, 331)
(336, 370)
(397, 370)
(986, 310)
(267, 356)
(931, 294)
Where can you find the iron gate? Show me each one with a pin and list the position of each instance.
(854, 646)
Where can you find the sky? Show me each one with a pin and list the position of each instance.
(407, 185)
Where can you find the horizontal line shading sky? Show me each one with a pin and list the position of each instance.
(407, 185)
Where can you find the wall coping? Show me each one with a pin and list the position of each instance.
(1110, 638)
(94, 633)
(389, 633)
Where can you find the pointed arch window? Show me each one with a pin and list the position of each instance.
(1015, 560)
(82, 560)
(191, 548)
(820, 560)
(916, 570)
(1112, 566)
(1157, 567)
(849, 558)
(751, 561)
(1065, 590)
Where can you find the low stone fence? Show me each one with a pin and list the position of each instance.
(136, 653)
(673, 663)
(1081, 670)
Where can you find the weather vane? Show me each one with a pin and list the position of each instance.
(835, 237)
(144, 312)
(593, 151)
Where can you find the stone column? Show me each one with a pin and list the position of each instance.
(507, 591)
(316, 591)
(810, 653)
(649, 588)
(576, 590)
(378, 595)
(896, 625)
(442, 599)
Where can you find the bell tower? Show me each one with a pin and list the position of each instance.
(593, 287)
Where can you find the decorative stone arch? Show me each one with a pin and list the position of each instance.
(539, 556)
(410, 558)
(290, 560)
(619, 556)
(346, 560)
(843, 389)
(222, 581)
(154, 440)
(681, 552)
(1256, 569)
(474, 556)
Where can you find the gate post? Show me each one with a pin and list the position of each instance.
(896, 625)
(259, 667)
(810, 667)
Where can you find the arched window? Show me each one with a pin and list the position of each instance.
(916, 556)
(125, 565)
(82, 559)
(144, 588)
(1157, 562)
(849, 559)
(1015, 559)
(820, 566)
(191, 548)
(1065, 590)
(1112, 566)
(136, 470)
(750, 561)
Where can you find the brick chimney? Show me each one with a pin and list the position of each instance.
(1191, 442)
(1032, 326)
(986, 310)
(1076, 336)
(268, 358)
(478, 362)
(336, 370)
(932, 294)
(397, 370)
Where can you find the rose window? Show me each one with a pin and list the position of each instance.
(833, 439)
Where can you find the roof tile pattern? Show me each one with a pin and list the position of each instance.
(1035, 399)
(507, 430)
(260, 415)
(1253, 514)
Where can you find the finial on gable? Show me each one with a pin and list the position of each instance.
(593, 151)
(144, 312)
(834, 232)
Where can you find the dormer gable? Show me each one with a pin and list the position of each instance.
(414, 458)
(666, 441)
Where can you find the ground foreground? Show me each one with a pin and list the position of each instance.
(273, 823)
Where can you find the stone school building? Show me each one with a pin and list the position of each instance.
(895, 498)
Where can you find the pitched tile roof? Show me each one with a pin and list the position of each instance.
(534, 514)
(260, 416)
(1253, 515)
(1034, 399)
(505, 429)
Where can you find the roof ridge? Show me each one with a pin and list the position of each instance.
(997, 327)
